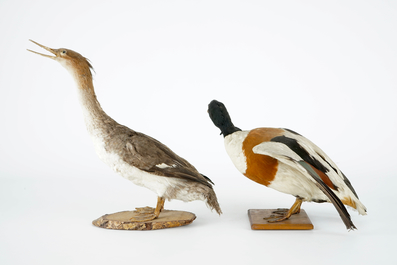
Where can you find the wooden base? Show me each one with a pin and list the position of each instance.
(296, 222)
(167, 219)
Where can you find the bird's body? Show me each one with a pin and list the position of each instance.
(140, 158)
(287, 162)
(135, 156)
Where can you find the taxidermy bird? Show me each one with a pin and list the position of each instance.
(287, 162)
(134, 155)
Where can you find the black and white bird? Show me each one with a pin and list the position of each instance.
(286, 161)
(134, 155)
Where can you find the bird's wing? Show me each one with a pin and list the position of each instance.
(150, 155)
(304, 157)
(320, 160)
(313, 155)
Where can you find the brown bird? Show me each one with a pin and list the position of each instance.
(135, 156)
(288, 162)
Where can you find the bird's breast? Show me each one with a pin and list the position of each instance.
(260, 168)
(234, 148)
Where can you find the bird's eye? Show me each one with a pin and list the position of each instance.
(63, 52)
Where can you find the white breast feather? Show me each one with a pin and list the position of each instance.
(234, 148)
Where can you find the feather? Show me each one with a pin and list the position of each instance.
(333, 198)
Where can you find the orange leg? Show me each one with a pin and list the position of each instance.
(284, 214)
(148, 213)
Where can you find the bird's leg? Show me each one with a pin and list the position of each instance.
(144, 214)
(159, 206)
(284, 214)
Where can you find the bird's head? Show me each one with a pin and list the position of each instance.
(73, 61)
(221, 118)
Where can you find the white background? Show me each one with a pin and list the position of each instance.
(326, 69)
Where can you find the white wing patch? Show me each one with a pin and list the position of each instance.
(163, 165)
(283, 154)
(276, 150)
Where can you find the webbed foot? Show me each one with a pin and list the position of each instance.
(144, 214)
(282, 214)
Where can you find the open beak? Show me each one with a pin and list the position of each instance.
(44, 47)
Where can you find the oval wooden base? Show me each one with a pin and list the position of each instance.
(167, 219)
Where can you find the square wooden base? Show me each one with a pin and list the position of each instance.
(296, 222)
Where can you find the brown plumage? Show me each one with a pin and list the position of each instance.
(136, 156)
(256, 162)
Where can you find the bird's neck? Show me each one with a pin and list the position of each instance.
(227, 127)
(95, 118)
(227, 130)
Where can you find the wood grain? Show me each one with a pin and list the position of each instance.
(299, 221)
(167, 219)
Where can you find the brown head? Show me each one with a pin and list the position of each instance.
(74, 62)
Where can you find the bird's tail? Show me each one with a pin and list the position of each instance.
(212, 201)
(354, 202)
(331, 196)
(361, 208)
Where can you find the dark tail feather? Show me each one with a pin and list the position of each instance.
(331, 195)
(207, 178)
